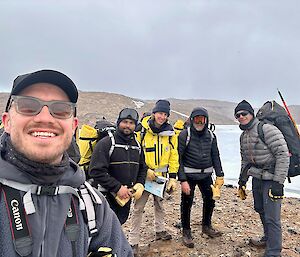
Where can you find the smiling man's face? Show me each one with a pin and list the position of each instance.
(42, 137)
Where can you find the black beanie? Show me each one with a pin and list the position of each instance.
(162, 106)
(244, 106)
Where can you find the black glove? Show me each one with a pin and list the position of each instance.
(242, 183)
(276, 190)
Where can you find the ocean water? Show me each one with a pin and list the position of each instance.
(229, 147)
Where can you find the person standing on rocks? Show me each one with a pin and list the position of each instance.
(268, 165)
(198, 157)
(118, 165)
(46, 206)
(159, 143)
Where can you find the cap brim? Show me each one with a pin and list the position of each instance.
(46, 76)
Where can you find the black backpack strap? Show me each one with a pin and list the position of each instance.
(20, 231)
(72, 225)
(260, 131)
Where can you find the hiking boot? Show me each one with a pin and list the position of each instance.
(258, 242)
(187, 238)
(163, 235)
(211, 232)
(135, 249)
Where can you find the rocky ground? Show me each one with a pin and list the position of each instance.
(235, 218)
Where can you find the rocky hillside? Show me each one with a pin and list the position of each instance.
(235, 218)
(95, 105)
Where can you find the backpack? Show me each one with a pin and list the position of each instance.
(17, 214)
(89, 137)
(273, 113)
(211, 128)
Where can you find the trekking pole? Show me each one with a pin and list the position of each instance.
(288, 111)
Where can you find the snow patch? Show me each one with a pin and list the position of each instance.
(138, 104)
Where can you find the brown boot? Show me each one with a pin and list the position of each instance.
(211, 232)
(163, 235)
(135, 249)
(187, 238)
(258, 242)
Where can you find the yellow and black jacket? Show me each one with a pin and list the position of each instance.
(160, 147)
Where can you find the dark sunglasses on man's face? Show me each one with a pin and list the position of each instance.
(30, 106)
(241, 114)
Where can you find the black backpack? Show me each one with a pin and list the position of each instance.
(103, 127)
(273, 113)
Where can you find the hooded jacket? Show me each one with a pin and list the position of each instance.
(123, 167)
(160, 148)
(47, 224)
(268, 161)
(201, 153)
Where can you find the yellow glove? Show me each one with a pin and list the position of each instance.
(219, 182)
(120, 201)
(151, 175)
(138, 191)
(242, 192)
(216, 192)
(102, 252)
(172, 185)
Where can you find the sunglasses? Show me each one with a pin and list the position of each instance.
(199, 119)
(241, 114)
(31, 106)
(128, 113)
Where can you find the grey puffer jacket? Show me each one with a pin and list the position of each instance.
(269, 161)
(48, 222)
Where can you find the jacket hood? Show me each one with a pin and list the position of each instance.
(166, 130)
(199, 111)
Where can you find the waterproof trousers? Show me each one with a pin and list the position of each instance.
(121, 212)
(137, 216)
(269, 212)
(208, 202)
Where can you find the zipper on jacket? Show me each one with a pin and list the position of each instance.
(161, 149)
(155, 159)
(44, 231)
(158, 152)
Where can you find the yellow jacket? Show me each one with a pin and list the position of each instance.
(160, 149)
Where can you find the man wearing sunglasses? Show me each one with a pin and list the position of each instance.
(121, 172)
(198, 158)
(46, 208)
(159, 143)
(268, 165)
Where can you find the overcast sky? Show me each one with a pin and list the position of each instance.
(223, 50)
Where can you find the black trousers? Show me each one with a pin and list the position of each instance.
(208, 202)
(121, 212)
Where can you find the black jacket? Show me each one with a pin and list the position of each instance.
(123, 167)
(202, 152)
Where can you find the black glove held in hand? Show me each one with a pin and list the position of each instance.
(276, 191)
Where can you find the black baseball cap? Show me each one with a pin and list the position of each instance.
(44, 76)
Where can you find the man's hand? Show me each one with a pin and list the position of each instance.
(185, 188)
(276, 191)
(242, 192)
(124, 192)
(151, 175)
(219, 182)
(216, 192)
(138, 191)
(172, 185)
